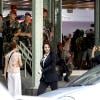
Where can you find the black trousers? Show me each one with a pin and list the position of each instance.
(43, 85)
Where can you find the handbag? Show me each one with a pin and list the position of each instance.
(10, 57)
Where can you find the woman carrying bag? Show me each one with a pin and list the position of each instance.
(13, 62)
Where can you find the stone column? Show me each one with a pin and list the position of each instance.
(37, 40)
(1, 6)
(45, 4)
(58, 23)
(97, 22)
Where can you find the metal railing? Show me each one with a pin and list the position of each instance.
(26, 55)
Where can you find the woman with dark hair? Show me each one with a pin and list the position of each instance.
(49, 76)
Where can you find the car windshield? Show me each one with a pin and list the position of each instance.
(90, 77)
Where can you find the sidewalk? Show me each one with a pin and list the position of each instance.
(27, 81)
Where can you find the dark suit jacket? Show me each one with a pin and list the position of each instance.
(49, 73)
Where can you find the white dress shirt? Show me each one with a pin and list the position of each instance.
(44, 58)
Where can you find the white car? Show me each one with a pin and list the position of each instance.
(31, 98)
(4, 94)
(86, 87)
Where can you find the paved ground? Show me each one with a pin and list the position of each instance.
(26, 82)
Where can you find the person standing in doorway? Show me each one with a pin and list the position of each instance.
(49, 75)
(48, 33)
(13, 63)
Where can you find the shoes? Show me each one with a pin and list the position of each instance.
(66, 79)
(59, 78)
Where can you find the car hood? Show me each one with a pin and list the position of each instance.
(4, 94)
(24, 97)
(89, 92)
(62, 91)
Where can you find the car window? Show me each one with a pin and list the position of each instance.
(89, 78)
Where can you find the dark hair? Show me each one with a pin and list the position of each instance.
(13, 45)
(27, 14)
(1, 15)
(13, 12)
(45, 10)
(45, 44)
(13, 7)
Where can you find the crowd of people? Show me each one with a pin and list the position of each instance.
(77, 49)
(11, 32)
(81, 46)
(11, 29)
(73, 52)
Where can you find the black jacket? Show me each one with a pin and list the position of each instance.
(49, 73)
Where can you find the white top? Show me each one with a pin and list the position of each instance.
(95, 48)
(15, 61)
(44, 58)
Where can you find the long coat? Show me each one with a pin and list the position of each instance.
(49, 73)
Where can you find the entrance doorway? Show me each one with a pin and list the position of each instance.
(78, 23)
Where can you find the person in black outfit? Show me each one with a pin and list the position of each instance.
(49, 75)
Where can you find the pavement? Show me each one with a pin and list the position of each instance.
(27, 81)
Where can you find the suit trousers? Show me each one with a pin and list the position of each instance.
(14, 83)
(43, 85)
